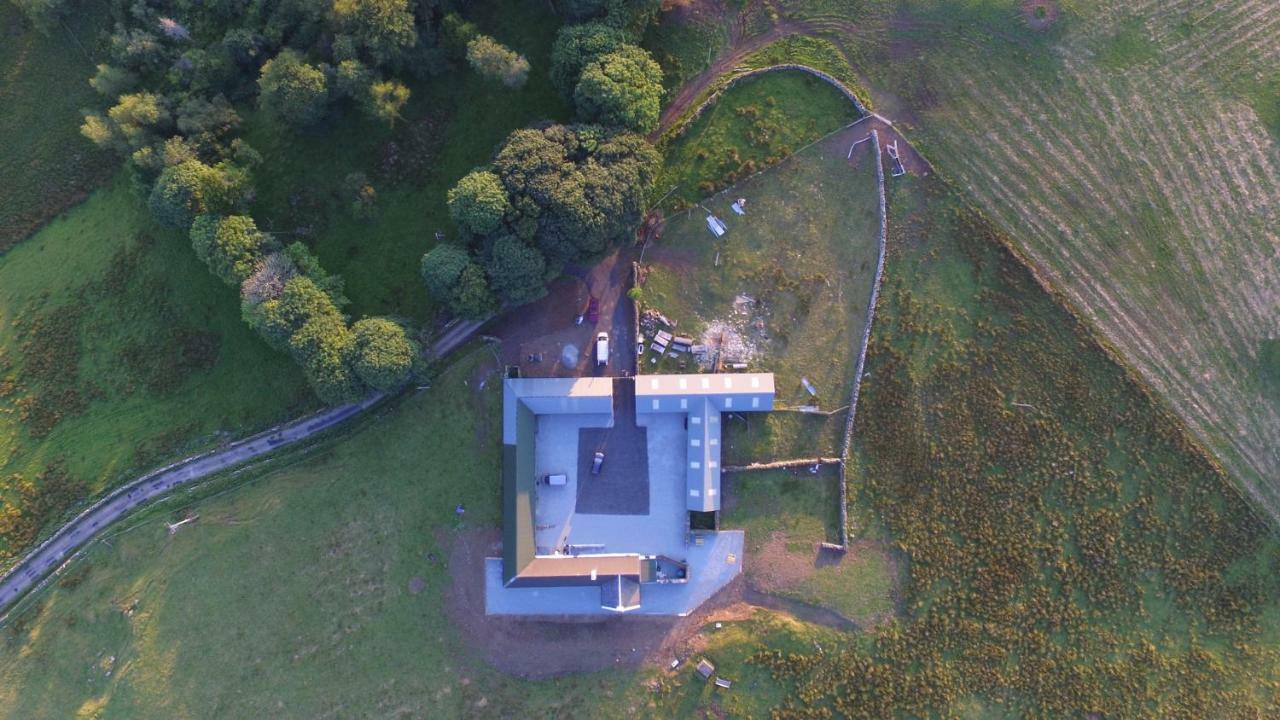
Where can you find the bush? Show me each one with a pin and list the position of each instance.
(493, 59)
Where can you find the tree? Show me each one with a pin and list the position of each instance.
(132, 123)
(385, 28)
(192, 188)
(578, 45)
(111, 81)
(478, 202)
(384, 354)
(517, 272)
(277, 319)
(231, 246)
(455, 280)
(293, 90)
(455, 33)
(582, 188)
(325, 348)
(472, 298)
(352, 79)
(386, 98)
(43, 14)
(621, 88)
(493, 59)
(441, 267)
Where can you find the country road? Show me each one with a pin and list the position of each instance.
(27, 573)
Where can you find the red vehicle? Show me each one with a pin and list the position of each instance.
(593, 311)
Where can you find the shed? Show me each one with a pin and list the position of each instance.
(716, 225)
(706, 669)
(723, 683)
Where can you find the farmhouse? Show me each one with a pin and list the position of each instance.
(611, 493)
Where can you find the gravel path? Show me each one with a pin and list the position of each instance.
(29, 572)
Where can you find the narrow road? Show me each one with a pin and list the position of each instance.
(48, 556)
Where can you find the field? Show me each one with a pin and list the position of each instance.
(803, 258)
(119, 351)
(1090, 560)
(786, 514)
(1129, 152)
(755, 124)
(46, 166)
(291, 596)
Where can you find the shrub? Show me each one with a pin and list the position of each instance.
(622, 88)
(578, 45)
(493, 59)
(232, 246)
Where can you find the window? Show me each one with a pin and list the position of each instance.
(728, 402)
(656, 402)
(684, 403)
(755, 402)
(695, 465)
(695, 442)
(694, 493)
(684, 384)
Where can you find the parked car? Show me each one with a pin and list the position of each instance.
(602, 349)
(593, 311)
(597, 462)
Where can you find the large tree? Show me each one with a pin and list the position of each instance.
(325, 347)
(517, 272)
(191, 188)
(622, 88)
(293, 90)
(580, 188)
(454, 279)
(231, 246)
(577, 45)
(478, 202)
(384, 354)
(278, 318)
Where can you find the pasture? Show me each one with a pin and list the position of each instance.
(788, 284)
(1129, 152)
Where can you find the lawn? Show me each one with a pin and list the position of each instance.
(786, 514)
(453, 123)
(757, 123)
(791, 278)
(118, 352)
(288, 596)
(46, 166)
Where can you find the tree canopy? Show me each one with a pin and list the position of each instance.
(384, 354)
(293, 90)
(454, 279)
(231, 246)
(383, 28)
(478, 202)
(517, 272)
(191, 188)
(578, 188)
(622, 88)
(577, 45)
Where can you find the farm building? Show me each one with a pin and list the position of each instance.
(634, 460)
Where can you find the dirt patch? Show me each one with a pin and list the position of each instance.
(1040, 14)
(774, 567)
(546, 648)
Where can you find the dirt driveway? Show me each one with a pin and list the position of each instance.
(535, 337)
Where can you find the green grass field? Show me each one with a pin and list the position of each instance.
(785, 516)
(1130, 152)
(118, 351)
(805, 252)
(755, 124)
(287, 598)
(46, 166)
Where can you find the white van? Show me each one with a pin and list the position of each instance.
(602, 349)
